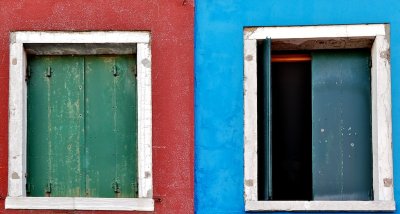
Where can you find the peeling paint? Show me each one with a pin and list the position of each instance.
(386, 55)
(249, 31)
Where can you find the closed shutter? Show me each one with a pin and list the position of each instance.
(82, 126)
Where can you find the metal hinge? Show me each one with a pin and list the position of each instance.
(28, 188)
(135, 187)
(28, 73)
(116, 187)
(48, 189)
(115, 71)
(49, 71)
(371, 194)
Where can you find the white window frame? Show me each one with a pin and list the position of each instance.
(17, 141)
(381, 115)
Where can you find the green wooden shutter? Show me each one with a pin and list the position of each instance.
(55, 126)
(341, 125)
(82, 126)
(266, 126)
(111, 112)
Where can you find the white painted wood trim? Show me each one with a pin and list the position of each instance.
(17, 122)
(381, 120)
(76, 203)
(381, 116)
(369, 206)
(80, 37)
(250, 122)
(18, 127)
(322, 31)
(144, 120)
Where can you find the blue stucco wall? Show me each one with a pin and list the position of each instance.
(219, 82)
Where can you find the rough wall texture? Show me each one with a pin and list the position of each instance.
(171, 26)
(219, 83)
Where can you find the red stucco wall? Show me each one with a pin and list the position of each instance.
(171, 26)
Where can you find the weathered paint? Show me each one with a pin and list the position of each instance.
(341, 125)
(219, 94)
(172, 78)
(82, 134)
(55, 118)
(381, 129)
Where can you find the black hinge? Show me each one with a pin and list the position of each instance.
(370, 62)
(48, 189)
(115, 71)
(116, 187)
(135, 187)
(371, 194)
(28, 73)
(28, 188)
(49, 71)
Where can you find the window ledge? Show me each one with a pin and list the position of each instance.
(77, 203)
(320, 206)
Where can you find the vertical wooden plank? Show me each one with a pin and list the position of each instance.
(126, 126)
(268, 116)
(264, 121)
(100, 126)
(111, 129)
(341, 130)
(38, 133)
(54, 126)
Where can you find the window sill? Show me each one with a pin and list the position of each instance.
(76, 203)
(320, 206)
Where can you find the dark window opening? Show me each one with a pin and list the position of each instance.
(314, 124)
(290, 99)
(291, 130)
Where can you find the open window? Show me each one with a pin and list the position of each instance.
(317, 135)
(80, 121)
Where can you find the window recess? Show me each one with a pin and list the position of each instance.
(80, 121)
(312, 134)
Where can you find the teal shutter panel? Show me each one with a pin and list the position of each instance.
(55, 131)
(341, 125)
(82, 126)
(265, 116)
(111, 115)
